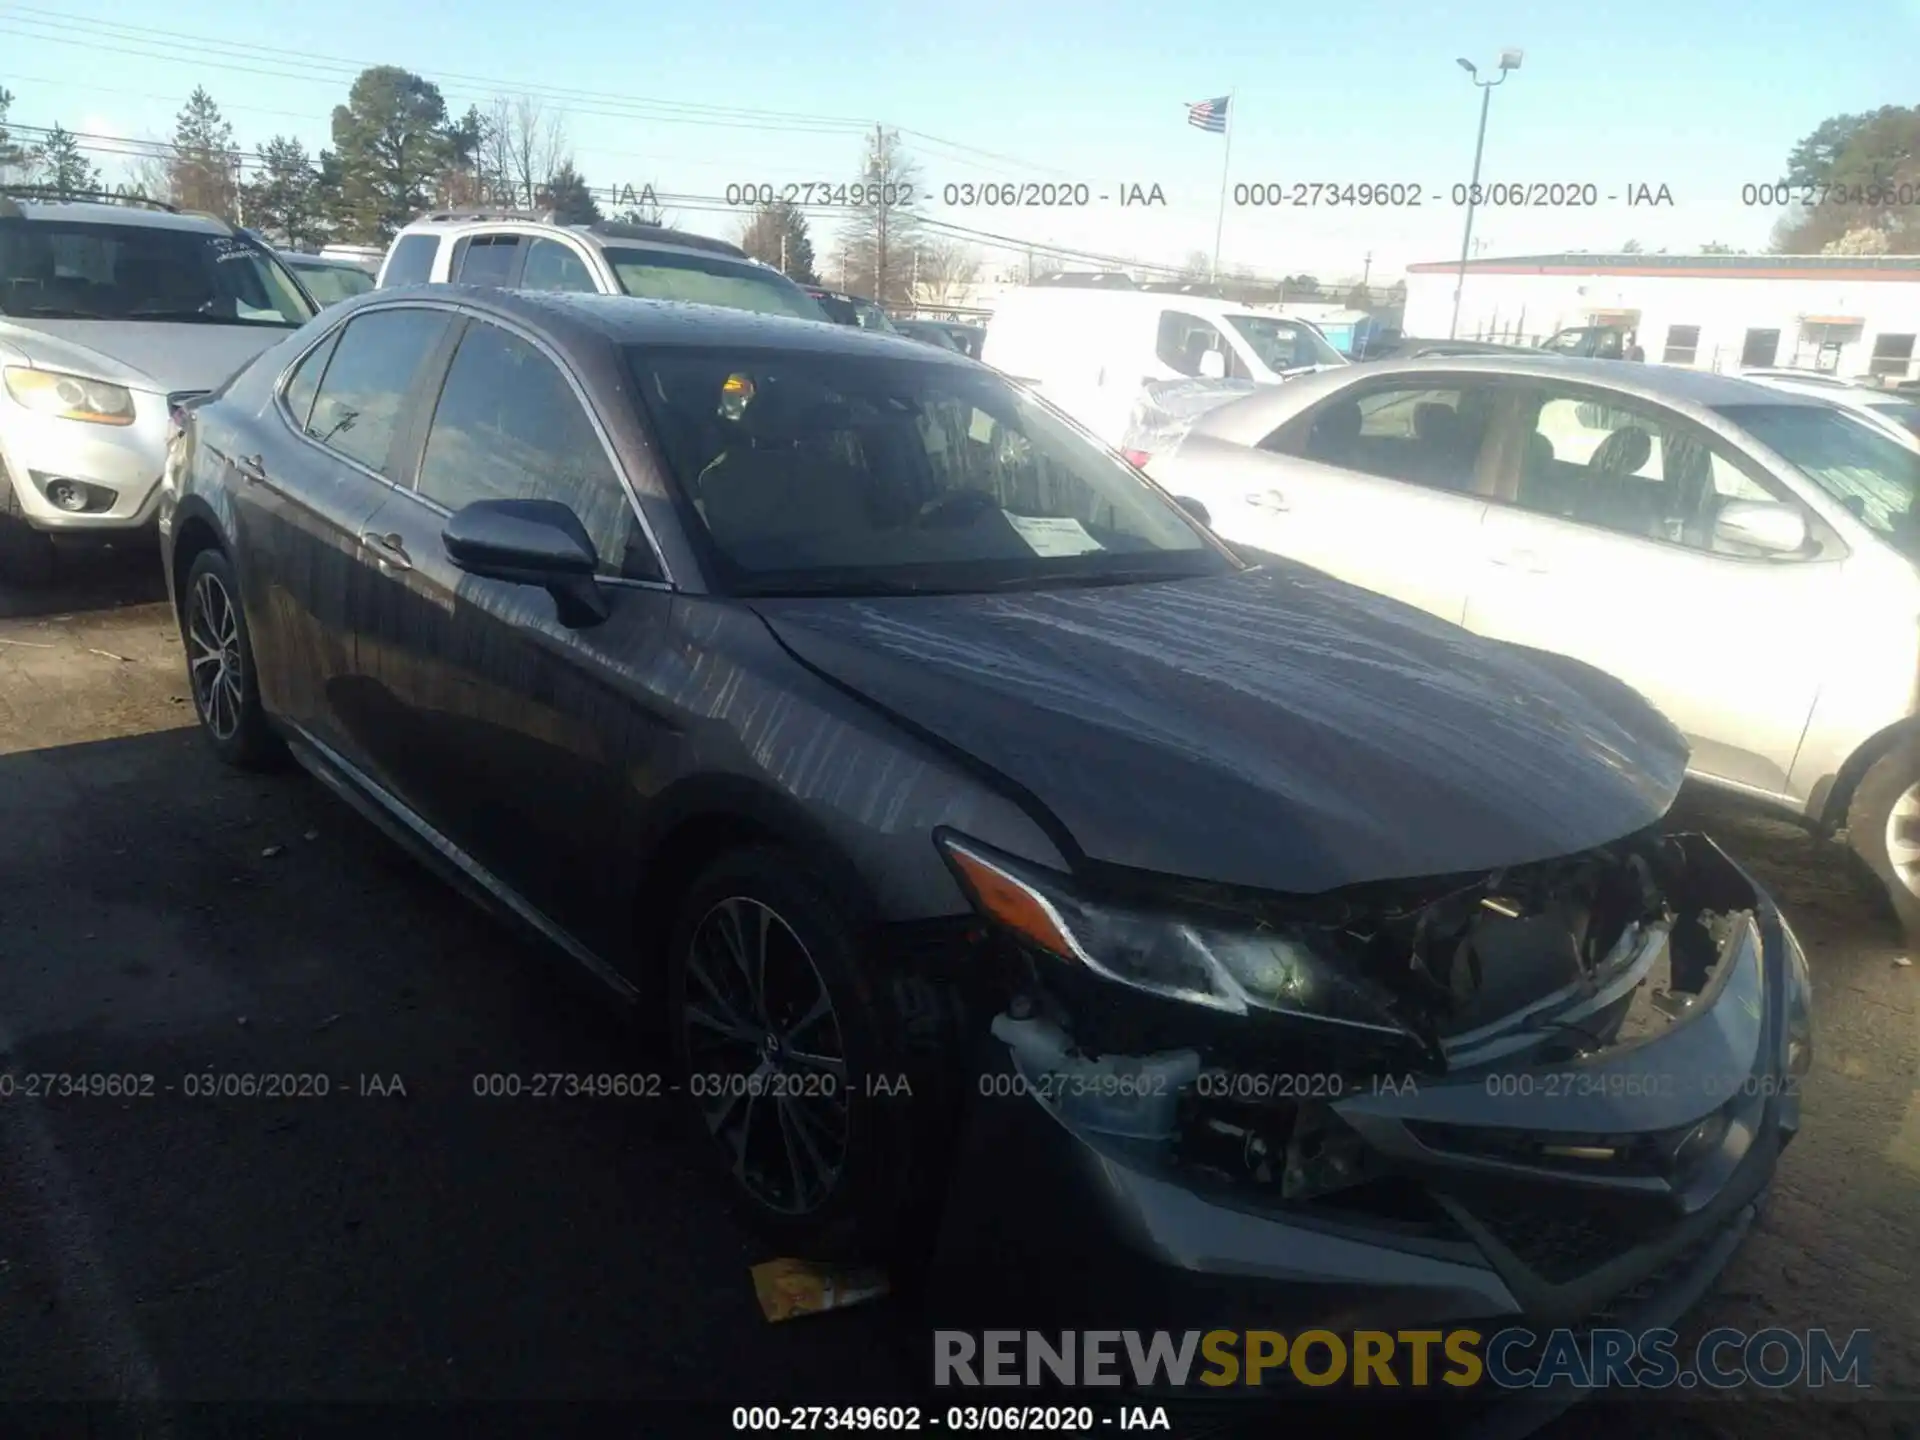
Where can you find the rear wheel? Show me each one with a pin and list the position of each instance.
(220, 668)
(792, 1043)
(26, 555)
(1883, 827)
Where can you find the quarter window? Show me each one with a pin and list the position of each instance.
(508, 426)
(412, 260)
(304, 383)
(361, 398)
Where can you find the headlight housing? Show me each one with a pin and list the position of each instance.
(1234, 971)
(62, 396)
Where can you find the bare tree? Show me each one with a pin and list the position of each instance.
(151, 174)
(942, 271)
(878, 240)
(523, 147)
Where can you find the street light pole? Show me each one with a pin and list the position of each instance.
(1509, 62)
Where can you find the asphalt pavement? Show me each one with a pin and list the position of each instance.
(402, 1239)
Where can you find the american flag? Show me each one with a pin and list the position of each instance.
(1209, 115)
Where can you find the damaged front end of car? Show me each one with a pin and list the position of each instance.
(1547, 1095)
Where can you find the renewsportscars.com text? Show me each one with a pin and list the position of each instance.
(1458, 1359)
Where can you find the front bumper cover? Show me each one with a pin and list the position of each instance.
(1050, 1227)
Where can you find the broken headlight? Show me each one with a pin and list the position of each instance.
(1238, 971)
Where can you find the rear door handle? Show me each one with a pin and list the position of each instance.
(1266, 500)
(389, 550)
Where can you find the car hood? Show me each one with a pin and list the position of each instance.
(157, 356)
(1273, 728)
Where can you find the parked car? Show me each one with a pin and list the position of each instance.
(329, 281)
(961, 802)
(845, 309)
(1090, 351)
(1687, 532)
(1888, 411)
(533, 251)
(110, 313)
(930, 332)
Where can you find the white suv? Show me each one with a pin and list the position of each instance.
(526, 251)
(111, 314)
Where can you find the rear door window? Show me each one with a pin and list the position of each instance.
(486, 260)
(1425, 435)
(360, 401)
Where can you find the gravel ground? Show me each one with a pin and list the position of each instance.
(161, 915)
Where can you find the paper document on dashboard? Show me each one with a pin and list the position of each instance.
(1050, 536)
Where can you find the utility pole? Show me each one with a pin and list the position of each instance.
(1367, 270)
(880, 251)
(783, 251)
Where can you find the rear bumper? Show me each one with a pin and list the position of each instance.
(1048, 1227)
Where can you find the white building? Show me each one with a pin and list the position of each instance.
(1854, 315)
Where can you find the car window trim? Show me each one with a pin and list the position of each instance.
(284, 380)
(436, 372)
(1833, 546)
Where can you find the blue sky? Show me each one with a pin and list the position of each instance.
(1700, 98)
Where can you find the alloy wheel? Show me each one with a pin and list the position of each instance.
(1903, 839)
(213, 656)
(766, 1061)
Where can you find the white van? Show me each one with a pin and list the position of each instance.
(1089, 351)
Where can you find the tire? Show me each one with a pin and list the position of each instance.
(27, 556)
(220, 667)
(1883, 828)
(884, 1023)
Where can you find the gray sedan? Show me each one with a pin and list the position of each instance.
(978, 824)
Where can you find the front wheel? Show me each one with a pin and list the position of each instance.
(1883, 828)
(220, 668)
(807, 1060)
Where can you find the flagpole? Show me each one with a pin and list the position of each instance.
(1220, 220)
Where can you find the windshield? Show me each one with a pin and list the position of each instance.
(1902, 412)
(330, 284)
(1284, 344)
(709, 280)
(76, 270)
(1876, 478)
(819, 473)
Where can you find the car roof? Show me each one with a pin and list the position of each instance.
(106, 212)
(1242, 421)
(1088, 295)
(330, 262)
(603, 233)
(629, 320)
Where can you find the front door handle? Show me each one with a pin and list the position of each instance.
(251, 469)
(1266, 500)
(389, 550)
(1525, 560)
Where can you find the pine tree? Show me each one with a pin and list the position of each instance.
(205, 169)
(59, 165)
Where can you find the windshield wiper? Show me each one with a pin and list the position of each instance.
(1085, 581)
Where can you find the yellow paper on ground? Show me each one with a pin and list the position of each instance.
(788, 1288)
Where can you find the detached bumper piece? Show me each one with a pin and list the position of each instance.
(1591, 1159)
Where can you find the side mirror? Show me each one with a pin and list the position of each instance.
(1761, 525)
(1194, 508)
(1213, 366)
(531, 542)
